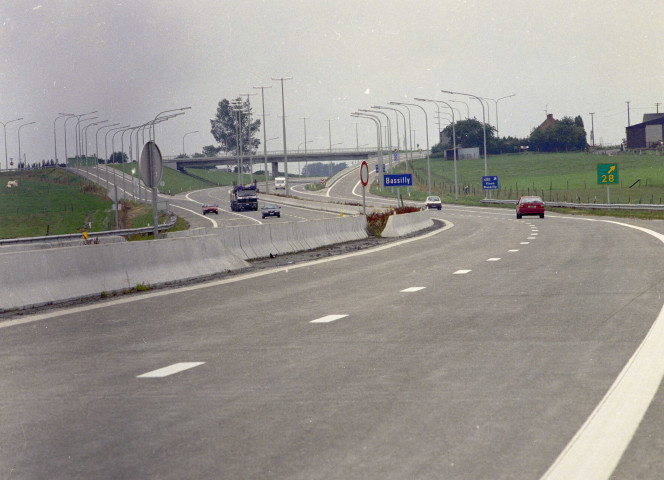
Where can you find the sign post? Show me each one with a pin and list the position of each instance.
(607, 174)
(151, 168)
(364, 178)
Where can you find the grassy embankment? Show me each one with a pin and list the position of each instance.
(52, 202)
(565, 177)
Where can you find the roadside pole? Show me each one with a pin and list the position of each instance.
(364, 179)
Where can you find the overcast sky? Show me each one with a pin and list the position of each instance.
(131, 59)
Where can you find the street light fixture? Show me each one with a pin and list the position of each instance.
(379, 145)
(188, 133)
(4, 126)
(55, 139)
(456, 186)
(496, 102)
(426, 124)
(19, 142)
(486, 171)
(405, 129)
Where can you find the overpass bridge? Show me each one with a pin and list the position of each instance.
(273, 158)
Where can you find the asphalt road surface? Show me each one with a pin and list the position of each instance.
(475, 352)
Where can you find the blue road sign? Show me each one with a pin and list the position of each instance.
(490, 183)
(400, 180)
(377, 168)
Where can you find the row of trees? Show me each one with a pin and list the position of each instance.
(563, 135)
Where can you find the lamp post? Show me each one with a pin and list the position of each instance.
(188, 133)
(264, 134)
(85, 136)
(283, 120)
(496, 102)
(426, 126)
(159, 115)
(379, 145)
(405, 129)
(329, 134)
(410, 134)
(483, 124)
(592, 128)
(251, 161)
(388, 140)
(306, 160)
(19, 141)
(97, 149)
(78, 131)
(106, 157)
(4, 126)
(238, 107)
(467, 107)
(456, 186)
(55, 139)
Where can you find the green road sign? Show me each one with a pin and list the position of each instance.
(607, 173)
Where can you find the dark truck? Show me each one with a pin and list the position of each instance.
(244, 198)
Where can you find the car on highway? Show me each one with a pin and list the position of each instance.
(210, 208)
(271, 210)
(530, 205)
(434, 202)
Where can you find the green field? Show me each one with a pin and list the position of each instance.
(52, 202)
(569, 177)
(175, 182)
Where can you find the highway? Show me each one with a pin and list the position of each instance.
(478, 351)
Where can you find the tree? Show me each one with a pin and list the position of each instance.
(118, 157)
(470, 133)
(565, 134)
(211, 151)
(225, 127)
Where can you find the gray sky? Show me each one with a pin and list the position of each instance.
(132, 59)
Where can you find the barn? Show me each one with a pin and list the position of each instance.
(646, 134)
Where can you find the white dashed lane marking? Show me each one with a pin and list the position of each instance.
(328, 318)
(170, 370)
(513, 250)
(412, 289)
(462, 272)
(493, 259)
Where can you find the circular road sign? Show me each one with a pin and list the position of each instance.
(364, 177)
(150, 164)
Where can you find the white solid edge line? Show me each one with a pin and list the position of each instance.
(235, 278)
(170, 370)
(596, 449)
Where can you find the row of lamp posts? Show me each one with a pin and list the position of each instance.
(372, 115)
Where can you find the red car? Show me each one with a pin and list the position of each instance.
(530, 206)
(210, 208)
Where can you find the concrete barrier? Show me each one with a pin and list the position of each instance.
(279, 238)
(40, 277)
(406, 223)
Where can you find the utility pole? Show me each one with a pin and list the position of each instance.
(628, 123)
(267, 189)
(283, 119)
(592, 128)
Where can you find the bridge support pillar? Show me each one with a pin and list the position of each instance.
(275, 169)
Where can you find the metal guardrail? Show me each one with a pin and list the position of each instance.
(91, 235)
(585, 206)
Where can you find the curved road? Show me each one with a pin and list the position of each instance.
(495, 348)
